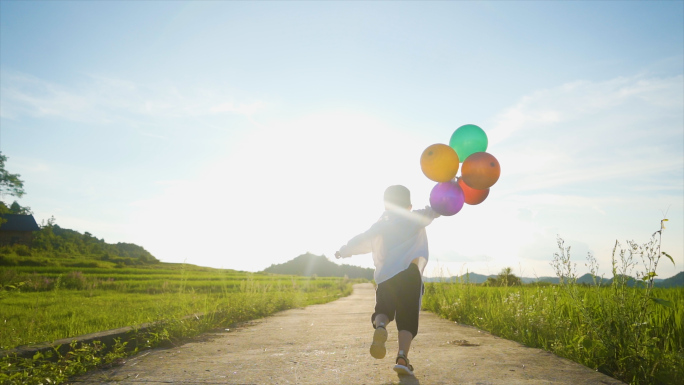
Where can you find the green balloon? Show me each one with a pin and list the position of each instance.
(467, 140)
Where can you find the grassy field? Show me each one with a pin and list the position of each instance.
(46, 303)
(627, 329)
(615, 329)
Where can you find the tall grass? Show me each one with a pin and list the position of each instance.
(73, 303)
(632, 332)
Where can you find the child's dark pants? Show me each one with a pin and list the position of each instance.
(399, 297)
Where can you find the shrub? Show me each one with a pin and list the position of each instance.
(22, 250)
(74, 280)
(37, 282)
(6, 260)
(9, 277)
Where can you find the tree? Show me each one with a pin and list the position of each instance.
(12, 185)
(505, 278)
(16, 208)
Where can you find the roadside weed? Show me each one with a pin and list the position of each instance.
(623, 327)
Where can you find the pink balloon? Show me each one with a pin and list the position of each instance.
(447, 198)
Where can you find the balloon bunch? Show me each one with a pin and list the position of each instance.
(479, 172)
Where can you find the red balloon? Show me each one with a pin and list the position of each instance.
(472, 196)
(480, 170)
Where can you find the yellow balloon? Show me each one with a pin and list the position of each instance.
(439, 162)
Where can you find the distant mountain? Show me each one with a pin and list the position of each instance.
(553, 280)
(587, 279)
(53, 245)
(309, 264)
(475, 278)
(465, 278)
(677, 280)
(469, 277)
(479, 278)
(674, 281)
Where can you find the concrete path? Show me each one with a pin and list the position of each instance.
(328, 344)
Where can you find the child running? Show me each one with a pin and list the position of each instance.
(399, 245)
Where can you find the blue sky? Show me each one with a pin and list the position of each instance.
(241, 134)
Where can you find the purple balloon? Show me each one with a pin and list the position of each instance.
(447, 198)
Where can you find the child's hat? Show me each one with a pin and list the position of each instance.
(398, 195)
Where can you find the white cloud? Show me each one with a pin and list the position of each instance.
(241, 108)
(590, 161)
(588, 133)
(579, 106)
(103, 100)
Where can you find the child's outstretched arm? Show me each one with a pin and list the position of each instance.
(360, 244)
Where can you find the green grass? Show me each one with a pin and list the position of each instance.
(151, 279)
(596, 331)
(47, 303)
(634, 334)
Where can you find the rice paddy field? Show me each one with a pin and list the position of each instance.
(41, 304)
(632, 334)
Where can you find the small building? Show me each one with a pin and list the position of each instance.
(18, 229)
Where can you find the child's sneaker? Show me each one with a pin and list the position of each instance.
(403, 369)
(377, 349)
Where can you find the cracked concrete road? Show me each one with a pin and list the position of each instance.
(328, 344)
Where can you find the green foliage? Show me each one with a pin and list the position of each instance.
(549, 318)
(505, 278)
(54, 245)
(627, 329)
(16, 208)
(59, 301)
(21, 250)
(164, 294)
(10, 183)
(54, 368)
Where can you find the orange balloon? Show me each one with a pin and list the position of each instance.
(439, 162)
(472, 196)
(480, 170)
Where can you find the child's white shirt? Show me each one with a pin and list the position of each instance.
(395, 240)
